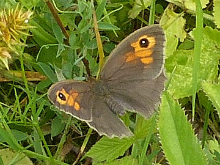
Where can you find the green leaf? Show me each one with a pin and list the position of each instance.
(100, 9)
(57, 32)
(37, 143)
(212, 150)
(179, 143)
(127, 160)
(10, 157)
(189, 4)
(138, 7)
(48, 53)
(6, 136)
(19, 136)
(179, 66)
(214, 146)
(29, 4)
(57, 126)
(143, 131)
(81, 6)
(107, 26)
(42, 85)
(73, 40)
(213, 34)
(173, 24)
(48, 71)
(217, 12)
(212, 91)
(144, 127)
(40, 35)
(109, 149)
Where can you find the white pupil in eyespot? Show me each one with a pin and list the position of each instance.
(144, 42)
(61, 96)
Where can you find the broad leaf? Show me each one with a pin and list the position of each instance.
(189, 4)
(180, 65)
(173, 24)
(109, 149)
(10, 157)
(127, 160)
(139, 5)
(179, 143)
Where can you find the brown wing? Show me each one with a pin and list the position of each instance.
(142, 96)
(133, 74)
(105, 122)
(138, 56)
(73, 97)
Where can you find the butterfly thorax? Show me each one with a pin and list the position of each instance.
(101, 90)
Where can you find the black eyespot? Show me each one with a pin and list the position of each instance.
(144, 43)
(61, 96)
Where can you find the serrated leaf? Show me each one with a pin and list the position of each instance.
(127, 160)
(212, 91)
(217, 12)
(109, 149)
(173, 24)
(180, 63)
(179, 143)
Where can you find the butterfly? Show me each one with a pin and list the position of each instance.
(132, 79)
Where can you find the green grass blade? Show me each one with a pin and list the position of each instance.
(197, 52)
(152, 12)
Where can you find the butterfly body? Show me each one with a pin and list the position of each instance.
(101, 90)
(132, 79)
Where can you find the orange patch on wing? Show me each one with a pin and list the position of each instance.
(68, 99)
(77, 106)
(131, 57)
(147, 60)
(142, 53)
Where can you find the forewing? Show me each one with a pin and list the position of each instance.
(105, 122)
(73, 97)
(138, 56)
(140, 96)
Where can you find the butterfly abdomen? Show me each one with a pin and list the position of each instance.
(113, 104)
